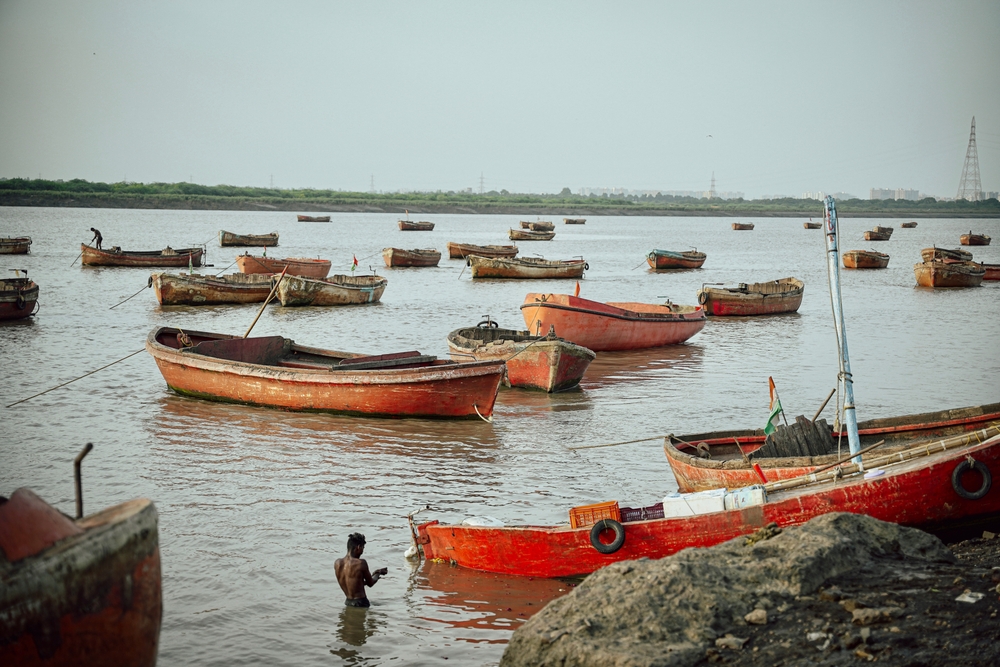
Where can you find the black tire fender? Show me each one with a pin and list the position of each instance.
(488, 324)
(600, 527)
(969, 465)
(586, 266)
(703, 297)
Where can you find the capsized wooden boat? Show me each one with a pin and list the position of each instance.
(18, 297)
(231, 239)
(702, 461)
(463, 250)
(974, 239)
(611, 326)
(413, 226)
(15, 245)
(186, 289)
(533, 362)
(743, 226)
(525, 267)
(574, 221)
(314, 218)
(812, 225)
(935, 253)
(865, 259)
(528, 235)
(293, 266)
(770, 298)
(340, 290)
(916, 491)
(949, 273)
(878, 233)
(909, 225)
(416, 257)
(168, 257)
(538, 225)
(666, 260)
(273, 371)
(992, 271)
(83, 592)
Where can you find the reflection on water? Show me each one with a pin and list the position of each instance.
(354, 626)
(642, 365)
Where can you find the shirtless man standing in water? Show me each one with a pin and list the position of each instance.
(352, 572)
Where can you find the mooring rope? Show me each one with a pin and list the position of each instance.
(615, 444)
(75, 379)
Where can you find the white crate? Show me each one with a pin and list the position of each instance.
(690, 504)
(748, 496)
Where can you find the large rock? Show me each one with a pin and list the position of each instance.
(668, 612)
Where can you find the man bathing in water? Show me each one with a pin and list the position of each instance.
(352, 572)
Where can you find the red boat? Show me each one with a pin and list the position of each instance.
(417, 257)
(702, 461)
(18, 297)
(168, 257)
(293, 266)
(974, 239)
(770, 298)
(534, 362)
(273, 371)
(611, 326)
(865, 259)
(314, 218)
(665, 260)
(992, 271)
(83, 592)
(934, 491)
(409, 226)
(949, 273)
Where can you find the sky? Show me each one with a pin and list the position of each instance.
(773, 97)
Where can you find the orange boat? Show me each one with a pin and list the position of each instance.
(812, 225)
(974, 239)
(611, 326)
(83, 592)
(296, 266)
(743, 226)
(534, 362)
(878, 234)
(463, 250)
(273, 371)
(18, 297)
(865, 259)
(949, 273)
(168, 257)
(314, 218)
(770, 298)
(416, 257)
(410, 226)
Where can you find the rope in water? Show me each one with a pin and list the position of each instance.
(75, 379)
(615, 444)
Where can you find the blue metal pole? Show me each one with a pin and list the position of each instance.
(833, 266)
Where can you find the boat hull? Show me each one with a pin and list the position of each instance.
(610, 326)
(908, 225)
(296, 266)
(18, 298)
(463, 250)
(666, 260)
(17, 245)
(538, 226)
(398, 257)
(942, 254)
(949, 274)
(574, 221)
(338, 291)
(878, 234)
(992, 271)
(812, 225)
(90, 256)
(974, 239)
(775, 297)
(180, 289)
(314, 218)
(743, 226)
(231, 239)
(528, 235)
(865, 259)
(407, 226)
(524, 268)
(918, 493)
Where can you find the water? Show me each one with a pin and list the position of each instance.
(256, 504)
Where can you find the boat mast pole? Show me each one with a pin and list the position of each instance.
(833, 267)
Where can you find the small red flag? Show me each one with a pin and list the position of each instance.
(576, 292)
(355, 265)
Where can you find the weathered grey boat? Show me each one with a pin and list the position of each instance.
(339, 290)
(192, 289)
(255, 240)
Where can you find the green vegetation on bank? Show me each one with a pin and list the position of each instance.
(78, 192)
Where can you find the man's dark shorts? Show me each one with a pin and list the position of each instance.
(360, 602)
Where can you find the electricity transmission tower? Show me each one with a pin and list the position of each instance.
(372, 190)
(711, 190)
(970, 187)
(482, 182)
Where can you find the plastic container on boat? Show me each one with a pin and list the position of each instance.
(690, 504)
(748, 496)
(588, 515)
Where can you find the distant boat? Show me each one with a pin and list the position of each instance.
(574, 221)
(231, 239)
(744, 226)
(974, 239)
(930, 254)
(339, 290)
(182, 289)
(812, 225)
(528, 235)
(865, 259)
(534, 362)
(463, 250)
(992, 271)
(314, 218)
(664, 260)
(410, 226)
(90, 256)
(611, 326)
(415, 257)
(297, 266)
(15, 245)
(538, 225)
(908, 225)
(878, 234)
(18, 297)
(770, 298)
(525, 267)
(949, 273)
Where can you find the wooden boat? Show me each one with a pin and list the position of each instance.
(18, 297)
(917, 492)
(412, 226)
(865, 259)
(974, 239)
(702, 461)
(314, 218)
(878, 234)
(666, 260)
(184, 289)
(525, 267)
(909, 225)
(942, 254)
(231, 239)
(83, 592)
(574, 221)
(538, 225)
(463, 250)
(743, 226)
(415, 257)
(949, 273)
(337, 291)
(528, 235)
(168, 257)
(15, 245)
(770, 298)
(611, 326)
(992, 271)
(812, 225)
(534, 362)
(273, 371)
(296, 266)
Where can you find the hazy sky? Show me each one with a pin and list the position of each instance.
(797, 96)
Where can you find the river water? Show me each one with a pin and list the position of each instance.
(256, 504)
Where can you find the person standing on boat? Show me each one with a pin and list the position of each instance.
(97, 238)
(353, 574)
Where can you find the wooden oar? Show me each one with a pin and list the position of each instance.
(266, 301)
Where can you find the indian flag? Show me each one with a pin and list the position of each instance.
(772, 420)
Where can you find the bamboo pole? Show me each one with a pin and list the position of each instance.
(266, 301)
